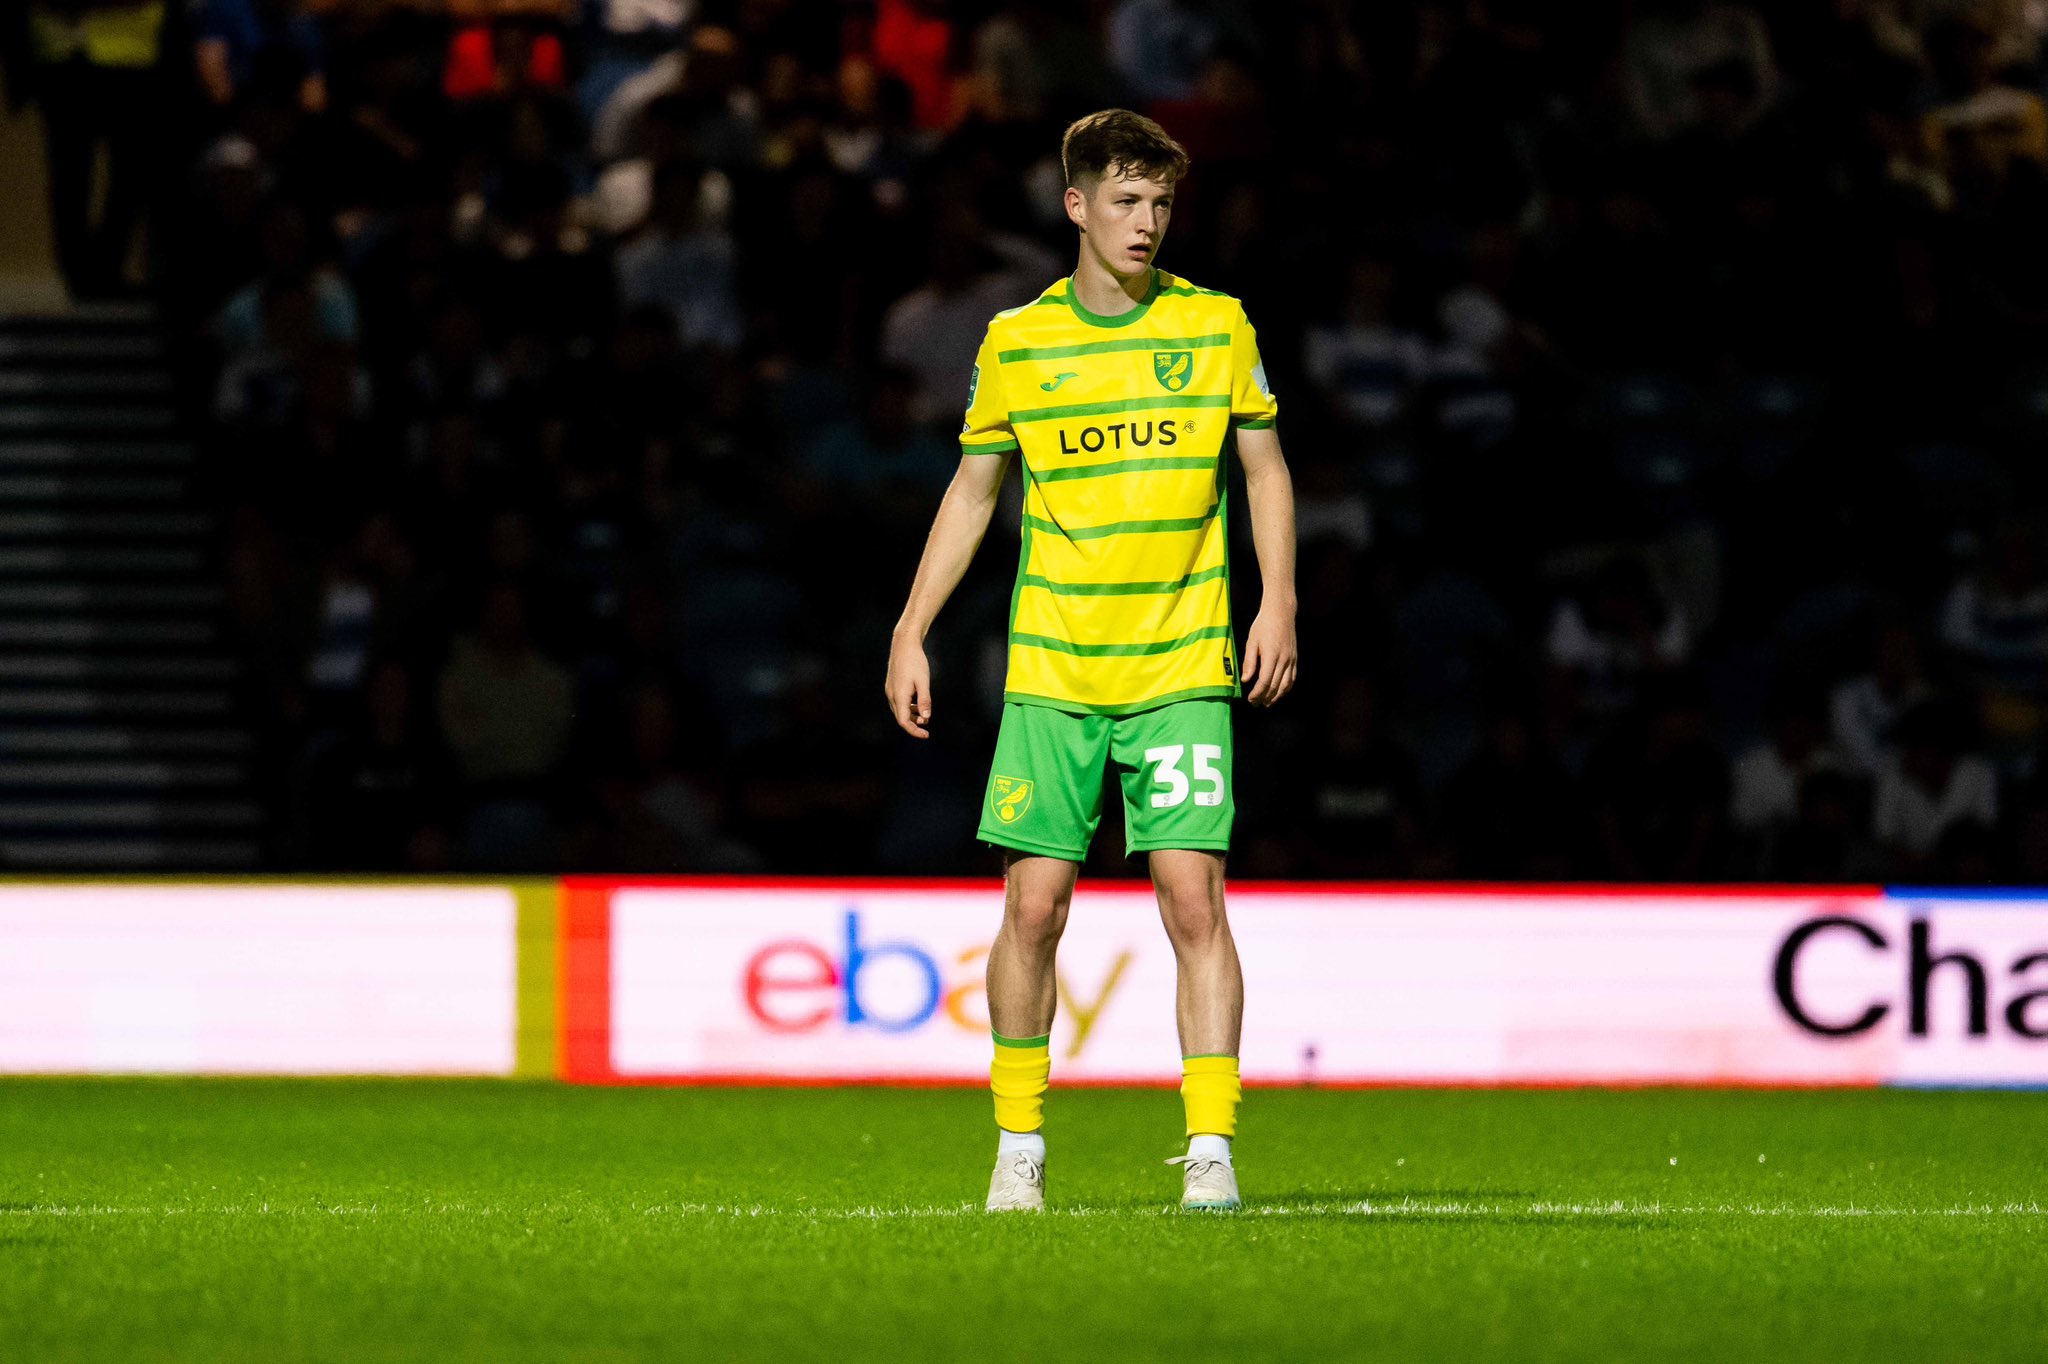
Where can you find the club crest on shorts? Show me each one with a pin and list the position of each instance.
(1009, 797)
(1173, 368)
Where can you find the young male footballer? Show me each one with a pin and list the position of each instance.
(1115, 387)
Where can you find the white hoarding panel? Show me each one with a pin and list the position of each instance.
(310, 979)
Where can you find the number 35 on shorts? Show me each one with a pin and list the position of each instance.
(1202, 778)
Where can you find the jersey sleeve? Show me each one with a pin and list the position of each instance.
(1252, 405)
(987, 428)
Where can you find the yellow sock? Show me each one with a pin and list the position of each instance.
(1210, 1091)
(1019, 1076)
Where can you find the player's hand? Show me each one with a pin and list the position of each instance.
(1269, 657)
(909, 686)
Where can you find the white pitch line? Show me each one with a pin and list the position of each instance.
(1407, 1207)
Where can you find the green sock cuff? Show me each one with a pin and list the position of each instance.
(1021, 1042)
(1211, 1056)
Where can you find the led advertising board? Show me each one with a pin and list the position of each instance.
(725, 981)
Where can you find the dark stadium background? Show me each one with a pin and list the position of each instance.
(535, 410)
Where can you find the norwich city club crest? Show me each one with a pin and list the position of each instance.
(1010, 797)
(1173, 368)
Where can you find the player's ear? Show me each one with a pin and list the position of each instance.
(1077, 205)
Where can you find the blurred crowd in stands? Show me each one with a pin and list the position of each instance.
(1665, 384)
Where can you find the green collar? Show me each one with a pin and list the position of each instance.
(1121, 319)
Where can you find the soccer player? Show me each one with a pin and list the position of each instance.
(1115, 387)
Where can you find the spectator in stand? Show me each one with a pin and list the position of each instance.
(92, 69)
(871, 134)
(504, 707)
(883, 457)
(1996, 622)
(1671, 41)
(623, 198)
(1367, 363)
(384, 796)
(1865, 708)
(683, 263)
(1767, 779)
(1511, 811)
(913, 40)
(724, 122)
(1160, 47)
(1933, 785)
(259, 389)
(657, 811)
(236, 42)
(935, 330)
(1830, 840)
(1471, 401)
(1982, 124)
(285, 241)
(1660, 790)
(1616, 634)
(1031, 61)
(1361, 792)
(622, 38)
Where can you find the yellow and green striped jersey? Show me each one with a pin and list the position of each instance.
(1123, 584)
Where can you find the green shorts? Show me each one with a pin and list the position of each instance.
(1045, 792)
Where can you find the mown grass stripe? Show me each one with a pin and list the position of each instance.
(1103, 409)
(1123, 466)
(1059, 589)
(1120, 527)
(1121, 343)
(1158, 646)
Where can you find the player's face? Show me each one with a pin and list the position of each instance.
(1124, 219)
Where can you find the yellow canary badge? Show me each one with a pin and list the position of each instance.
(1010, 797)
(1172, 368)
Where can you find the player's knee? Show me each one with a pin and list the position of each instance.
(1036, 921)
(1194, 917)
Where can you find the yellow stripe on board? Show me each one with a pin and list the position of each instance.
(537, 1053)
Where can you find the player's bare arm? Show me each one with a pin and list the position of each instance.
(1269, 655)
(956, 533)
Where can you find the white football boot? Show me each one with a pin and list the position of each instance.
(1207, 1184)
(1018, 1184)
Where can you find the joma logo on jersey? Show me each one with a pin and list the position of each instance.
(1173, 368)
(1116, 436)
(1010, 797)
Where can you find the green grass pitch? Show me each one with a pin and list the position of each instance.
(375, 1220)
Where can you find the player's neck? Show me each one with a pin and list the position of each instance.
(1104, 292)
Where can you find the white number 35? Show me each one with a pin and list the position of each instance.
(1165, 764)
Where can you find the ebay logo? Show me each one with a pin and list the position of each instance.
(892, 986)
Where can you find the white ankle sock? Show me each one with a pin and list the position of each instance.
(1210, 1147)
(1031, 1143)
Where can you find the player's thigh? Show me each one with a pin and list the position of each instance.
(1176, 766)
(1045, 785)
